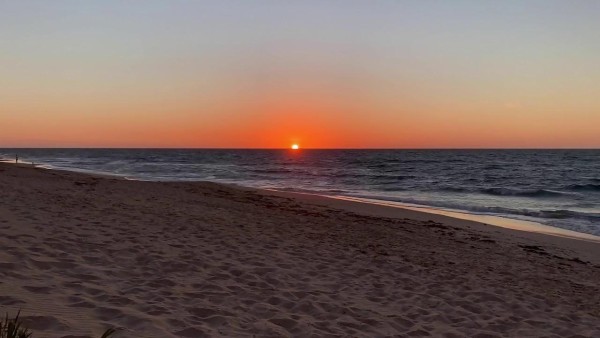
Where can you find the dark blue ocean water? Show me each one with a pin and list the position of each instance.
(556, 187)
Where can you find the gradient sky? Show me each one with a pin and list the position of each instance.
(325, 74)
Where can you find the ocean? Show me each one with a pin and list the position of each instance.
(560, 188)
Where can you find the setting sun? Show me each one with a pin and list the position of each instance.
(295, 146)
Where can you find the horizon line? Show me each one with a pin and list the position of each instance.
(341, 148)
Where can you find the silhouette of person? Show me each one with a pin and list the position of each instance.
(17, 158)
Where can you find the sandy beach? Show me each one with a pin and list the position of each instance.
(82, 253)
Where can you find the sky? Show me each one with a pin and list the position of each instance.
(323, 74)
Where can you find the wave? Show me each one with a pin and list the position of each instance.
(558, 214)
(493, 167)
(364, 177)
(311, 191)
(272, 171)
(544, 214)
(584, 187)
(454, 189)
(501, 191)
(522, 193)
(391, 177)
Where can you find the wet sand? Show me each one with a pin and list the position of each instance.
(80, 253)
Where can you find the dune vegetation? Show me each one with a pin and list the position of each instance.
(13, 328)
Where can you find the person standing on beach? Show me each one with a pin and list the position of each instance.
(16, 158)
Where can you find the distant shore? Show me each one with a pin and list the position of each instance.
(84, 252)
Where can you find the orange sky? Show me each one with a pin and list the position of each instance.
(324, 75)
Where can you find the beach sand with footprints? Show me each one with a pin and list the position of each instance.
(81, 253)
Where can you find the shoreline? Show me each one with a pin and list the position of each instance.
(483, 220)
(486, 223)
(499, 221)
(495, 220)
(586, 247)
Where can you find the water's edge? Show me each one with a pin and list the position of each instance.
(557, 188)
(499, 221)
(503, 222)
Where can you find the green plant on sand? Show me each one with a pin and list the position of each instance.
(13, 328)
(108, 333)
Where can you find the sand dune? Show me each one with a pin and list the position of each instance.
(82, 253)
